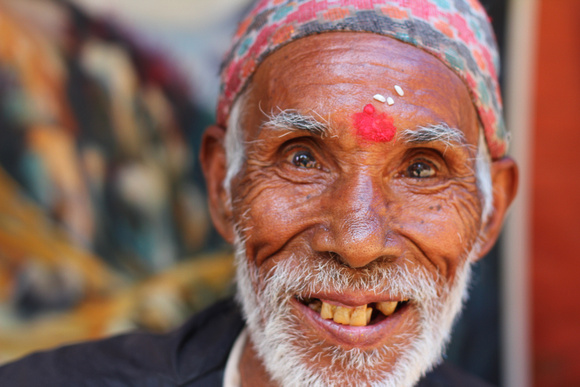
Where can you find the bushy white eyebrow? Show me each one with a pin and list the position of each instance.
(235, 149)
(292, 120)
(434, 133)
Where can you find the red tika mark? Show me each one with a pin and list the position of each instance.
(373, 126)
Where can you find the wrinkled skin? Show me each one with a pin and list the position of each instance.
(357, 199)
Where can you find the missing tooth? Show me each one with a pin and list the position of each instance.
(361, 315)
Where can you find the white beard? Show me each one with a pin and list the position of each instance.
(284, 350)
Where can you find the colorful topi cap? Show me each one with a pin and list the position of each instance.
(458, 32)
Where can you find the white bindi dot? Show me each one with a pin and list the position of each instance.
(399, 90)
(379, 98)
(390, 101)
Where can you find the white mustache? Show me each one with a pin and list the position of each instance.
(293, 276)
(265, 298)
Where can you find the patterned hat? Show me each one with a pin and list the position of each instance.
(458, 32)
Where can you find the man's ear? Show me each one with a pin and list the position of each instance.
(214, 164)
(504, 177)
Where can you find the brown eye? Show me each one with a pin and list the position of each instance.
(304, 159)
(420, 170)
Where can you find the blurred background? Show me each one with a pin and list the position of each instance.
(103, 219)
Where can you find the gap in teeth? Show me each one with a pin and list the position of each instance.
(356, 316)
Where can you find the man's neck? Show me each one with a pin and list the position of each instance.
(252, 370)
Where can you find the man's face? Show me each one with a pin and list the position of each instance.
(331, 212)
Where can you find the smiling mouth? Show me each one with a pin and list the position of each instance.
(358, 316)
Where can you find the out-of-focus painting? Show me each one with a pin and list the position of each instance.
(103, 219)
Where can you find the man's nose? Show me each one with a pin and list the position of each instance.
(357, 223)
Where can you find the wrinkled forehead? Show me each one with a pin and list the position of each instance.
(332, 76)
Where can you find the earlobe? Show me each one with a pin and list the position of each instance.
(504, 176)
(214, 164)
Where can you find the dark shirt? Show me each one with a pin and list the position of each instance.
(193, 356)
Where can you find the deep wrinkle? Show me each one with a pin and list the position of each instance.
(278, 227)
(374, 126)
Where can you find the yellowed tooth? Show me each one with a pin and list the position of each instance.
(358, 317)
(387, 307)
(315, 305)
(369, 313)
(327, 311)
(342, 315)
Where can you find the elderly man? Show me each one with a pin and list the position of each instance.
(358, 166)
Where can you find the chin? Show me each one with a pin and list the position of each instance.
(298, 347)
